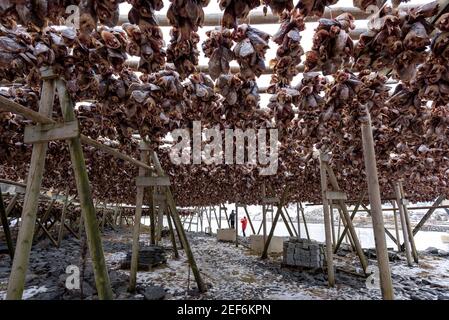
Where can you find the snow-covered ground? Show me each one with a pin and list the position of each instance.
(236, 273)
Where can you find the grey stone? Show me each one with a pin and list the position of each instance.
(154, 293)
(432, 250)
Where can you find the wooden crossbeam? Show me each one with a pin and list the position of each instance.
(11, 106)
(50, 132)
(335, 195)
(153, 181)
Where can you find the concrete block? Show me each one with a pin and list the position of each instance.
(226, 235)
(257, 245)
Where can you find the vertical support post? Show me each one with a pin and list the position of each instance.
(136, 231)
(403, 224)
(236, 226)
(264, 215)
(304, 220)
(408, 224)
(327, 225)
(152, 215)
(85, 196)
(30, 203)
(331, 209)
(120, 216)
(5, 225)
(172, 233)
(376, 208)
(298, 220)
(64, 209)
(396, 228)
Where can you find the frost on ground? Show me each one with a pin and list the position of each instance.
(229, 273)
(236, 273)
(28, 293)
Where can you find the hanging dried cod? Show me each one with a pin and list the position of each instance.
(332, 45)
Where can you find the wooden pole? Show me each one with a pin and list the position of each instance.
(11, 204)
(387, 232)
(428, 214)
(136, 229)
(30, 204)
(63, 213)
(298, 220)
(179, 228)
(289, 230)
(273, 225)
(396, 228)
(376, 208)
(304, 220)
(152, 214)
(87, 207)
(327, 225)
(45, 217)
(236, 226)
(403, 224)
(291, 222)
(6, 230)
(408, 224)
(331, 210)
(172, 234)
(345, 230)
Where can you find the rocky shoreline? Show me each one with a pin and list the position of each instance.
(230, 273)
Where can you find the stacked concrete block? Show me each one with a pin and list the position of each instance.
(304, 253)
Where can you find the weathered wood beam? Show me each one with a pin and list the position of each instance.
(34, 180)
(369, 156)
(11, 106)
(429, 213)
(258, 17)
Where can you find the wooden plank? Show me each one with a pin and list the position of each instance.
(50, 132)
(336, 195)
(34, 180)
(272, 200)
(153, 181)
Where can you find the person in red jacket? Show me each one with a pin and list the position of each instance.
(244, 222)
